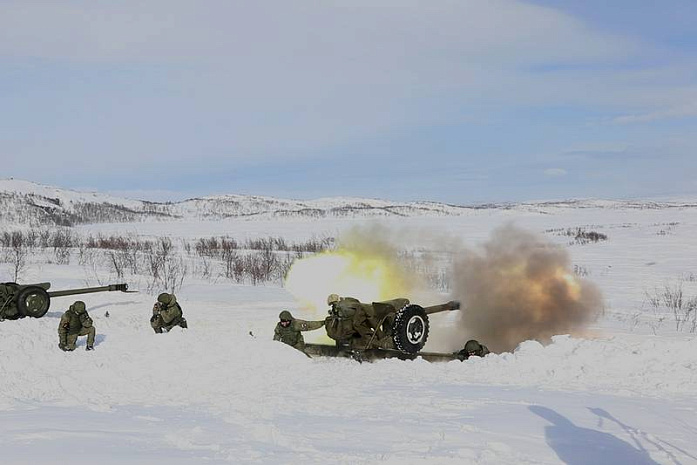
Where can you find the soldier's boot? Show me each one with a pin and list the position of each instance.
(89, 348)
(158, 330)
(183, 323)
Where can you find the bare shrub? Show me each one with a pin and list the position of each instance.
(166, 267)
(16, 252)
(238, 269)
(91, 262)
(671, 300)
(581, 271)
(315, 245)
(260, 244)
(62, 256)
(284, 265)
(255, 260)
(582, 237)
(160, 261)
(268, 264)
(230, 259)
(43, 237)
(118, 261)
(253, 268)
(205, 267)
(62, 241)
(666, 228)
(207, 247)
(215, 247)
(175, 272)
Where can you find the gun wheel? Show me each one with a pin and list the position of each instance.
(33, 301)
(410, 329)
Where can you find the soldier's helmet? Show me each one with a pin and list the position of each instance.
(285, 316)
(164, 298)
(473, 347)
(78, 307)
(332, 299)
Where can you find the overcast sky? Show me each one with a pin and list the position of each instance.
(460, 101)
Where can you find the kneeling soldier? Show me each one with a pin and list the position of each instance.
(75, 322)
(166, 314)
(288, 330)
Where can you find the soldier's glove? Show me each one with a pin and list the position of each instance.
(86, 322)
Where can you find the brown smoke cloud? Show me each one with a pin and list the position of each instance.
(520, 286)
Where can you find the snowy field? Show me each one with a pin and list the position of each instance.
(624, 391)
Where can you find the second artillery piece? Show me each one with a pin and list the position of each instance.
(33, 300)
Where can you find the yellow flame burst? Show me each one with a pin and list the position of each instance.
(366, 277)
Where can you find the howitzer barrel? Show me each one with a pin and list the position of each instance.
(452, 305)
(123, 287)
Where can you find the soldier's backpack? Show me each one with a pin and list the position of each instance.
(347, 307)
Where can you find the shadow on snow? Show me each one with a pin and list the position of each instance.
(583, 446)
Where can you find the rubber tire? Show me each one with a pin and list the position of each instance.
(410, 329)
(33, 301)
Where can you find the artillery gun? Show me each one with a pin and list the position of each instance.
(392, 328)
(33, 300)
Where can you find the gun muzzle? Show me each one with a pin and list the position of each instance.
(448, 306)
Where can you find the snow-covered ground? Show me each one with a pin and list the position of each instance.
(624, 392)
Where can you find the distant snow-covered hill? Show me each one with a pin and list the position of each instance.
(29, 203)
(25, 202)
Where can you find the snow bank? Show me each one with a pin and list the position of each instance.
(217, 360)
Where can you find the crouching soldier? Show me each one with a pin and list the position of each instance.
(472, 349)
(75, 322)
(288, 330)
(166, 314)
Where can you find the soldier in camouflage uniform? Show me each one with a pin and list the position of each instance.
(472, 349)
(75, 322)
(288, 329)
(361, 325)
(166, 314)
